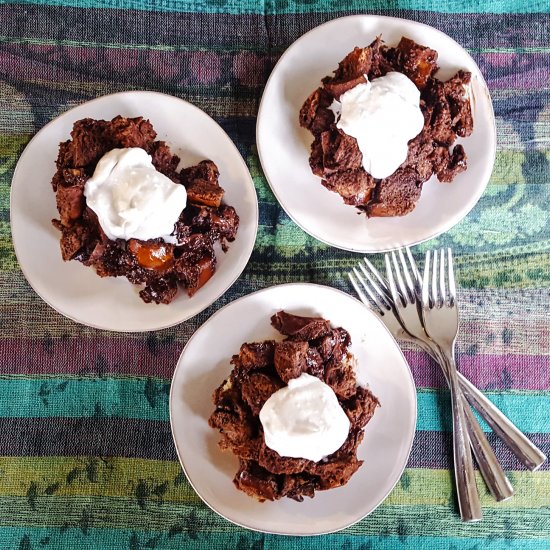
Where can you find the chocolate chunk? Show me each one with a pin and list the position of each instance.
(218, 223)
(447, 166)
(160, 291)
(340, 376)
(302, 328)
(334, 345)
(290, 359)
(70, 203)
(315, 114)
(298, 486)
(73, 239)
(205, 170)
(418, 62)
(336, 473)
(354, 186)
(256, 481)
(336, 89)
(314, 363)
(257, 388)
(356, 64)
(340, 152)
(395, 195)
(257, 355)
(360, 407)
(164, 161)
(274, 462)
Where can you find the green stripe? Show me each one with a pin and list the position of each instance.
(148, 399)
(242, 7)
(26, 316)
(162, 480)
(73, 515)
(515, 268)
(524, 270)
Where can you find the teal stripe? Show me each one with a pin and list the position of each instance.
(148, 399)
(70, 539)
(527, 410)
(243, 7)
(69, 397)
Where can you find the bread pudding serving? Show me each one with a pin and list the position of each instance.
(126, 210)
(292, 412)
(383, 124)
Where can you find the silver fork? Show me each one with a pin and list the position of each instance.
(440, 316)
(406, 291)
(373, 291)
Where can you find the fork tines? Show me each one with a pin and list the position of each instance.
(434, 295)
(368, 280)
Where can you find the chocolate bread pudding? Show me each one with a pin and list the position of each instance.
(338, 159)
(314, 350)
(185, 256)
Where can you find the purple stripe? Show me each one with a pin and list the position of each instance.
(153, 440)
(435, 450)
(509, 371)
(526, 71)
(157, 356)
(95, 357)
(517, 71)
(140, 68)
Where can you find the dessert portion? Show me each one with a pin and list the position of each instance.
(292, 411)
(384, 124)
(126, 210)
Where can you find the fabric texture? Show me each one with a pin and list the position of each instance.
(86, 455)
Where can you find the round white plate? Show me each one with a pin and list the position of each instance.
(204, 364)
(75, 290)
(284, 147)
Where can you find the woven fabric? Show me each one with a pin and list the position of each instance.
(86, 455)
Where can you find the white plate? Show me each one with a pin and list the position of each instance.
(284, 147)
(204, 364)
(75, 290)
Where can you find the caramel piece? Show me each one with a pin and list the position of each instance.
(156, 256)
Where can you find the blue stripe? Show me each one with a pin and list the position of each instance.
(234, 537)
(242, 7)
(148, 400)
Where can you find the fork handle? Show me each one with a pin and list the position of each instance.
(490, 468)
(468, 496)
(525, 450)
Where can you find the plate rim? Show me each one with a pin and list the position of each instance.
(412, 421)
(159, 326)
(444, 227)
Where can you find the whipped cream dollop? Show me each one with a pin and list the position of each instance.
(132, 199)
(304, 420)
(382, 115)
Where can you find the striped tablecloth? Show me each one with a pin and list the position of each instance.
(86, 456)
